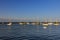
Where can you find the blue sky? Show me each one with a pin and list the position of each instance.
(30, 8)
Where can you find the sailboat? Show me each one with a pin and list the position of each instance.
(9, 23)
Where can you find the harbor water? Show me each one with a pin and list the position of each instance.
(29, 32)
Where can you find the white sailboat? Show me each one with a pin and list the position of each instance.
(45, 24)
(9, 23)
(21, 23)
(27, 23)
(56, 23)
(50, 23)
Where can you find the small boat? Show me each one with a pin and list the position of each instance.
(45, 24)
(56, 24)
(21, 23)
(9, 24)
(33, 23)
(50, 23)
(27, 23)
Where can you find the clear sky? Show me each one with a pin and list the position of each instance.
(30, 8)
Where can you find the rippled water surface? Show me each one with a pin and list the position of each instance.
(29, 32)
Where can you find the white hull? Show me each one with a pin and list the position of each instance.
(28, 23)
(21, 23)
(56, 24)
(50, 23)
(9, 24)
(45, 24)
(33, 23)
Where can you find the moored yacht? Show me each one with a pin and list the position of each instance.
(56, 24)
(50, 23)
(45, 24)
(9, 23)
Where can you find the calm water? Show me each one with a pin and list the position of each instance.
(29, 32)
